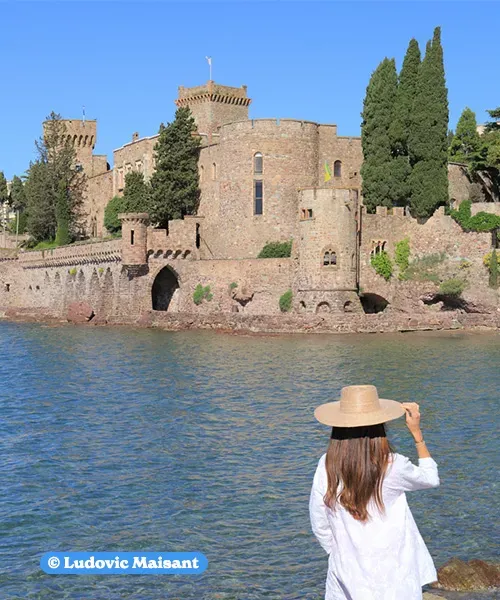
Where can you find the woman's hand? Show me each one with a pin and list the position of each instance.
(412, 418)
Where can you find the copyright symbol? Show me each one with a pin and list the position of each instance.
(53, 562)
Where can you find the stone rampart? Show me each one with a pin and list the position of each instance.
(75, 254)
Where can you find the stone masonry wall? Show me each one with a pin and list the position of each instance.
(97, 195)
(439, 234)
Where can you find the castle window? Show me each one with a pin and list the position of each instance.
(337, 169)
(132, 237)
(258, 197)
(329, 258)
(309, 213)
(138, 166)
(257, 163)
(214, 171)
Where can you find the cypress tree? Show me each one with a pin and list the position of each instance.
(427, 142)
(174, 184)
(466, 143)
(405, 99)
(377, 116)
(4, 195)
(136, 193)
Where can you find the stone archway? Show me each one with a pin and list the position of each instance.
(164, 287)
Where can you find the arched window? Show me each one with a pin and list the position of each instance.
(329, 258)
(337, 169)
(214, 171)
(202, 173)
(257, 163)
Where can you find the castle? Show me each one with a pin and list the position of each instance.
(261, 181)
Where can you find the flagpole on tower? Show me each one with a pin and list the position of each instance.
(209, 60)
(83, 110)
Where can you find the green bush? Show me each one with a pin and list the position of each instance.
(276, 250)
(233, 285)
(480, 222)
(48, 245)
(23, 219)
(452, 287)
(286, 301)
(382, 264)
(402, 256)
(113, 208)
(73, 271)
(202, 293)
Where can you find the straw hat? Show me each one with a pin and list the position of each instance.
(359, 405)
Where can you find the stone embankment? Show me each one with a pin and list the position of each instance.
(275, 324)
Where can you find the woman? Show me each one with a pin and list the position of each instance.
(358, 507)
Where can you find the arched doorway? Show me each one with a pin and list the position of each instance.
(164, 287)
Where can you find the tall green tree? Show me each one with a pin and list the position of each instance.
(401, 123)
(17, 197)
(466, 144)
(427, 141)
(53, 170)
(175, 183)
(378, 107)
(136, 194)
(405, 98)
(4, 195)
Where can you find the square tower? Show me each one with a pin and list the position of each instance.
(213, 105)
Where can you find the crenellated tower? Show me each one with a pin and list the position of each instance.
(213, 105)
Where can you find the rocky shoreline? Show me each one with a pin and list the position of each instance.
(272, 324)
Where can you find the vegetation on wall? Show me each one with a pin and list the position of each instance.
(480, 222)
(402, 256)
(113, 208)
(175, 183)
(423, 268)
(285, 301)
(54, 186)
(276, 250)
(452, 288)
(202, 293)
(404, 133)
(382, 264)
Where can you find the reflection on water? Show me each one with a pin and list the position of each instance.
(117, 439)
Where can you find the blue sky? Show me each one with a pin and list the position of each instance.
(305, 60)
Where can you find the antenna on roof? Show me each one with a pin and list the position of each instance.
(209, 60)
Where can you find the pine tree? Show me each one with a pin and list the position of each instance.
(466, 143)
(376, 171)
(174, 184)
(53, 169)
(136, 194)
(427, 143)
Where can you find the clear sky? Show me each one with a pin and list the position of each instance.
(305, 60)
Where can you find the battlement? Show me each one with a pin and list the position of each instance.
(178, 242)
(75, 254)
(82, 134)
(212, 92)
(272, 127)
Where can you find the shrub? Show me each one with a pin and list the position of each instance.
(465, 264)
(286, 301)
(48, 245)
(402, 256)
(452, 287)
(233, 285)
(73, 271)
(276, 250)
(202, 293)
(113, 208)
(382, 264)
(480, 222)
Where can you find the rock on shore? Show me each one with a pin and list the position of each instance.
(475, 575)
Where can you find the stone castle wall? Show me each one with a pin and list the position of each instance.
(98, 192)
(439, 234)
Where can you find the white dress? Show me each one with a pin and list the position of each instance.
(386, 557)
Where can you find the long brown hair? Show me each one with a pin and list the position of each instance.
(357, 458)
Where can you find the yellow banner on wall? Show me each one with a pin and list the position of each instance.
(328, 173)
